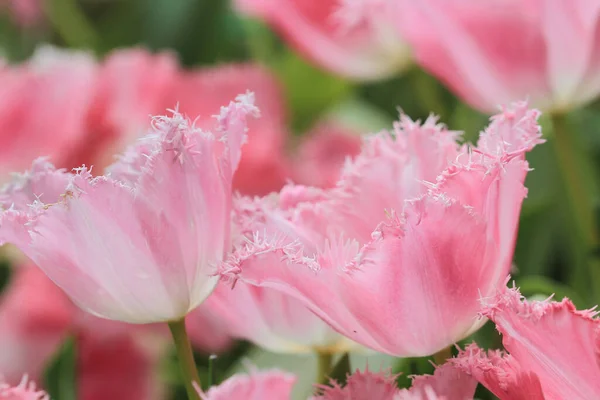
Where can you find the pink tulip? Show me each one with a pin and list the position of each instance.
(322, 153)
(25, 12)
(553, 350)
(53, 90)
(398, 254)
(201, 92)
(447, 383)
(367, 50)
(131, 85)
(35, 318)
(25, 390)
(119, 367)
(264, 385)
(139, 244)
(498, 51)
(271, 319)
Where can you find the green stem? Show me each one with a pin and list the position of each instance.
(324, 367)
(71, 23)
(441, 356)
(186, 358)
(576, 170)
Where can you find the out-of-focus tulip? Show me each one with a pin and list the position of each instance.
(369, 49)
(262, 385)
(553, 350)
(139, 244)
(201, 92)
(322, 153)
(25, 390)
(447, 383)
(25, 12)
(499, 51)
(398, 254)
(43, 107)
(120, 367)
(35, 318)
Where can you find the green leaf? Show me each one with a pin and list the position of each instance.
(341, 369)
(60, 377)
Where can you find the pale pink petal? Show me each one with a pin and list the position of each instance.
(25, 390)
(43, 105)
(551, 340)
(207, 330)
(398, 254)
(260, 385)
(141, 251)
(268, 318)
(507, 50)
(369, 49)
(322, 153)
(500, 373)
(35, 318)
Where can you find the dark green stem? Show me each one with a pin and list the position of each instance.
(324, 367)
(441, 356)
(186, 358)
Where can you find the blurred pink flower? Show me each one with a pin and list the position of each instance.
(369, 49)
(43, 106)
(398, 254)
(263, 167)
(25, 12)
(259, 385)
(137, 245)
(35, 318)
(320, 158)
(447, 383)
(25, 390)
(553, 350)
(499, 51)
(119, 367)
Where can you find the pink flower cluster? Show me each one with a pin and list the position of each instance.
(399, 241)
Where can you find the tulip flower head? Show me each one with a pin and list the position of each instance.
(498, 51)
(365, 50)
(138, 244)
(398, 254)
(553, 350)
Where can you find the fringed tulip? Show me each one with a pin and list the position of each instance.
(447, 383)
(35, 318)
(264, 316)
(25, 390)
(553, 350)
(366, 50)
(139, 244)
(498, 51)
(398, 254)
(259, 385)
